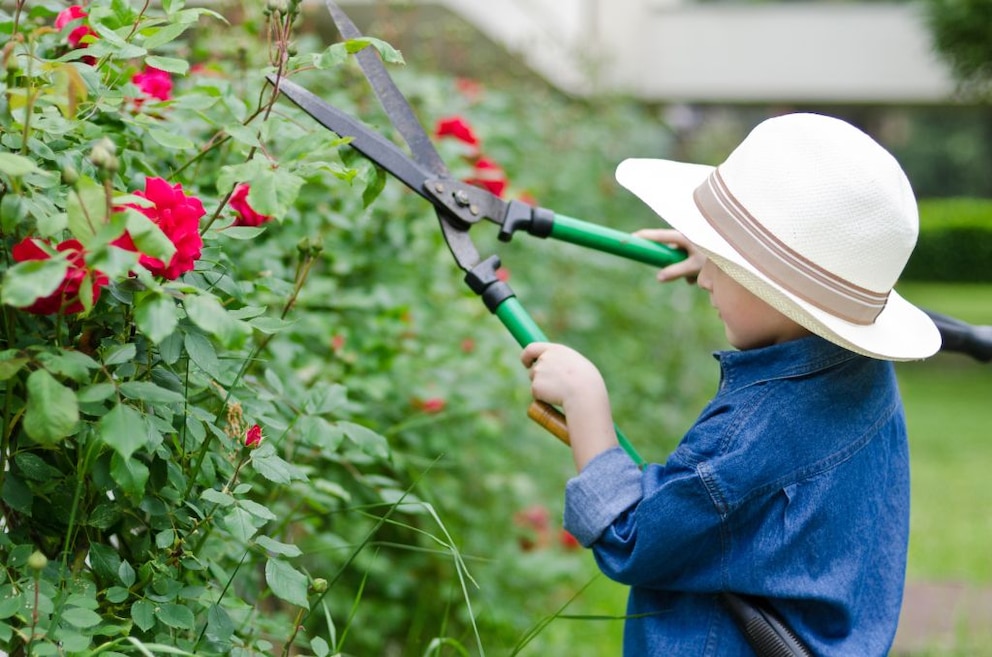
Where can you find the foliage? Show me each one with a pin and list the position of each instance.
(955, 241)
(289, 429)
(960, 32)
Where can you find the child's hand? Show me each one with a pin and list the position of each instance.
(563, 377)
(688, 268)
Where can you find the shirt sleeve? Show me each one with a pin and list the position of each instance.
(658, 527)
(608, 485)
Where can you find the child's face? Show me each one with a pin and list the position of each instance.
(748, 321)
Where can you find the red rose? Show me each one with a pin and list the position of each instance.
(457, 128)
(66, 16)
(568, 541)
(433, 405)
(178, 216)
(65, 299)
(253, 437)
(489, 175)
(154, 83)
(247, 216)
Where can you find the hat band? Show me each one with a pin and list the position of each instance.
(779, 262)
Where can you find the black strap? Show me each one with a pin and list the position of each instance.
(765, 631)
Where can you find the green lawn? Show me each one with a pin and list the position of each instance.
(949, 409)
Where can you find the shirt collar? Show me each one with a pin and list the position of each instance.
(787, 359)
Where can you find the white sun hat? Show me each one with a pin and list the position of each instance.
(811, 215)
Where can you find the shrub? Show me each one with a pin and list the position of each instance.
(248, 406)
(955, 242)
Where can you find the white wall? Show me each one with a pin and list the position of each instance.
(674, 50)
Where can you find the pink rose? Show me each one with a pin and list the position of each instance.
(65, 300)
(154, 83)
(70, 15)
(178, 216)
(253, 437)
(457, 128)
(247, 216)
(490, 176)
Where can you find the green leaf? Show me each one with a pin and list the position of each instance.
(220, 627)
(33, 467)
(52, 410)
(365, 439)
(126, 574)
(149, 392)
(143, 614)
(217, 497)
(273, 191)
(277, 547)
(123, 430)
(176, 616)
(87, 209)
(81, 617)
(105, 561)
(241, 524)
(161, 37)
(95, 393)
(171, 140)
(130, 474)
(17, 165)
(148, 236)
(207, 312)
(270, 465)
(10, 601)
(319, 647)
(122, 353)
(258, 510)
(69, 363)
(28, 281)
(287, 583)
(374, 184)
(11, 366)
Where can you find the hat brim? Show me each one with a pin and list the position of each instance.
(900, 332)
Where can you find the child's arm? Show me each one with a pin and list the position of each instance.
(563, 377)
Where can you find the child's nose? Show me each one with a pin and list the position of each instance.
(705, 279)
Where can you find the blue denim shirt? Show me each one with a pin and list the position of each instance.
(793, 485)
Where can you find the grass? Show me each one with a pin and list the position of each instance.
(947, 408)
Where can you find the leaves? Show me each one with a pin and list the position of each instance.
(286, 582)
(52, 411)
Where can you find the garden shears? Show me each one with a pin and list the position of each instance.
(460, 205)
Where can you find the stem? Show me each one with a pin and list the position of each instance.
(297, 624)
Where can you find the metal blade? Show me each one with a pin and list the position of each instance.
(387, 155)
(370, 144)
(392, 100)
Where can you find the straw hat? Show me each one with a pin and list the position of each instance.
(811, 215)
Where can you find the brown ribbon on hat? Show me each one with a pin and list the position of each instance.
(779, 262)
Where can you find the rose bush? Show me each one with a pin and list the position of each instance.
(248, 408)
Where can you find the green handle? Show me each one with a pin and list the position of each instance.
(608, 240)
(525, 330)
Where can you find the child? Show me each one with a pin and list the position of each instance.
(793, 484)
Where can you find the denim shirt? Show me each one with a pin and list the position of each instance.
(792, 485)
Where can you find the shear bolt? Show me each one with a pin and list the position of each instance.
(461, 198)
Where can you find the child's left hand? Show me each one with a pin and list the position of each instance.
(564, 377)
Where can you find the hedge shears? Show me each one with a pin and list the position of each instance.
(460, 206)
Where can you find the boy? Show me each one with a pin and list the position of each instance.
(793, 484)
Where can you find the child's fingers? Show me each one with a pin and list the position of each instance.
(532, 352)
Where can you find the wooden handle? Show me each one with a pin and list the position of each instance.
(550, 418)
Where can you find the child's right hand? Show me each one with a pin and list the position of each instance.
(688, 268)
